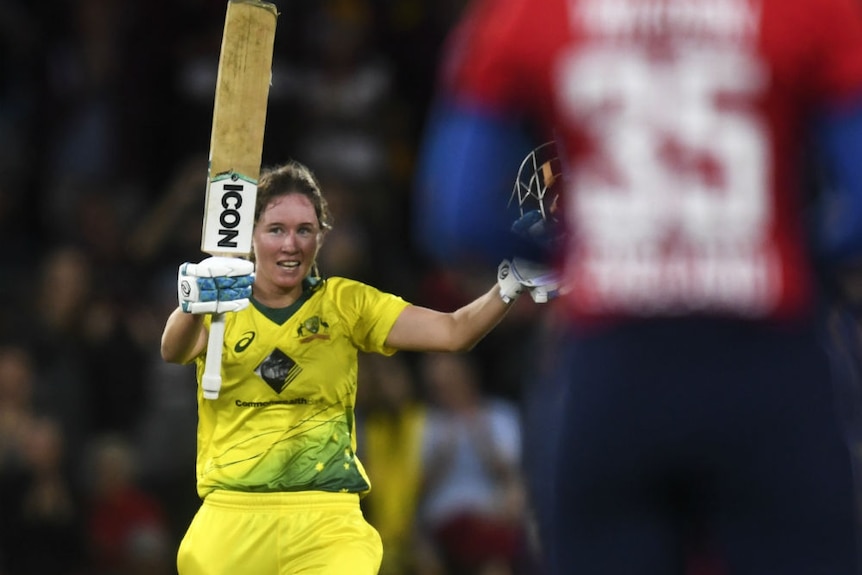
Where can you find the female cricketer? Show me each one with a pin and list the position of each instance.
(276, 464)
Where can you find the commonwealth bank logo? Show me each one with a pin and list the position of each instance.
(278, 370)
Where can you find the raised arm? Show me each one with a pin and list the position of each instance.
(184, 337)
(422, 329)
(215, 285)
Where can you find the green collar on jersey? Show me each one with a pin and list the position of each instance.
(280, 315)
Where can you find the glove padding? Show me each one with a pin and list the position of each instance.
(215, 285)
(520, 274)
(510, 286)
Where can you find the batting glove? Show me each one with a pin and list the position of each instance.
(215, 285)
(542, 236)
(542, 281)
(519, 275)
(510, 286)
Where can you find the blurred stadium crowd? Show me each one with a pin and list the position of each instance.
(105, 111)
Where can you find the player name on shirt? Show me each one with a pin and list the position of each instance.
(740, 282)
(700, 18)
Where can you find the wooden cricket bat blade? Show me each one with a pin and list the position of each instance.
(236, 148)
(239, 121)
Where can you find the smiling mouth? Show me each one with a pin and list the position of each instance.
(288, 265)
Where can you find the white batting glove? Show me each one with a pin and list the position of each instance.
(542, 281)
(215, 285)
(519, 275)
(510, 286)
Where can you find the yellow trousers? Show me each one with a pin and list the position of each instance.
(312, 533)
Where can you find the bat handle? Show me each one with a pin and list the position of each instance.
(211, 381)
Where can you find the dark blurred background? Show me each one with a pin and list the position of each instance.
(105, 113)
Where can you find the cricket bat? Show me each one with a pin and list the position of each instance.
(236, 148)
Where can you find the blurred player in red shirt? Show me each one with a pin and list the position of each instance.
(711, 156)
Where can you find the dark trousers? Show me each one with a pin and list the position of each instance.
(649, 442)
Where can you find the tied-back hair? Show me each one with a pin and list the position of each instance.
(292, 178)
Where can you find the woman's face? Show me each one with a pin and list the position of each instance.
(286, 239)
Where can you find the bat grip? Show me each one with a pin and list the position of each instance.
(211, 381)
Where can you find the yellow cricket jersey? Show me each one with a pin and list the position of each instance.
(284, 419)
